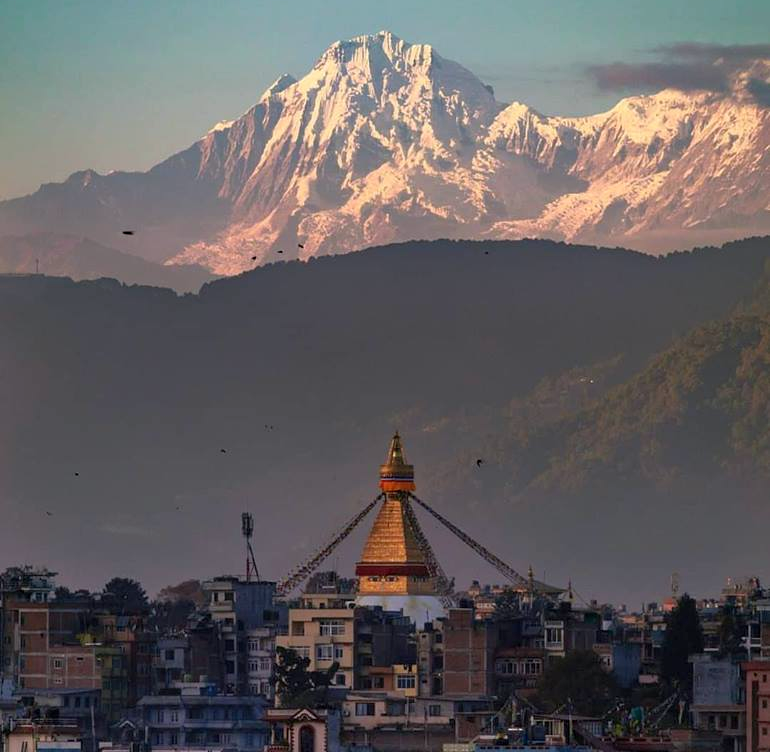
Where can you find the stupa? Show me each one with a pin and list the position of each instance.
(394, 569)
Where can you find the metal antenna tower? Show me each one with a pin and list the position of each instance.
(247, 528)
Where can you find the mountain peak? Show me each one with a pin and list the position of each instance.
(284, 81)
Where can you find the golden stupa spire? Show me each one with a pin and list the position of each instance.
(396, 475)
(392, 560)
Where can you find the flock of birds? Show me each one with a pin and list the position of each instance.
(268, 427)
(253, 258)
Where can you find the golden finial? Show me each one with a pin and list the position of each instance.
(396, 474)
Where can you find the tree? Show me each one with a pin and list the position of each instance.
(731, 630)
(294, 684)
(578, 680)
(188, 590)
(170, 616)
(507, 605)
(127, 594)
(682, 639)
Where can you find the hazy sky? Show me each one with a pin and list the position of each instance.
(121, 85)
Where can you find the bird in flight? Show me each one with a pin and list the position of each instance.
(299, 245)
(77, 473)
(224, 451)
(253, 258)
(479, 462)
(49, 514)
(128, 232)
(282, 251)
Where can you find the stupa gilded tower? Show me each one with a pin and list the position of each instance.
(394, 571)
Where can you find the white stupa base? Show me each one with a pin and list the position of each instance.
(419, 608)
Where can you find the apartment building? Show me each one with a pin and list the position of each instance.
(199, 719)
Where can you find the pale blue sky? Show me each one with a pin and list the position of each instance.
(112, 84)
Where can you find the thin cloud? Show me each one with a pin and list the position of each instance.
(684, 76)
(712, 52)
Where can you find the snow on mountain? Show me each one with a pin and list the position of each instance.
(385, 141)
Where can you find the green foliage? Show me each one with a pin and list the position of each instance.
(171, 615)
(682, 639)
(126, 595)
(578, 680)
(731, 630)
(295, 686)
(506, 605)
(699, 407)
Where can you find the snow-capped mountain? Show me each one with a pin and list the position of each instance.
(385, 141)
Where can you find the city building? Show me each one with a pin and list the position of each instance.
(237, 607)
(43, 736)
(196, 718)
(304, 730)
(757, 704)
(719, 702)
(324, 635)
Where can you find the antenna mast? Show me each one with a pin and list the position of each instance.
(247, 529)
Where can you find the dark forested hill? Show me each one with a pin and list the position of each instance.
(543, 356)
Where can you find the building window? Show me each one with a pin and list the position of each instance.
(174, 716)
(265, 664)
(506, 667)
(554, 637)
(405, 681)
(265, 688)
(434, 710)
(303, 651)
(298, 628)
(253, 646)
(172, 740)
(340, 680)
(764, 703)
(252, 665)
(58, 680)
(339, 652)
(169, 655)
(332, 627)
(58, 663)
(324, 652)
(364, 708)
(378, 682)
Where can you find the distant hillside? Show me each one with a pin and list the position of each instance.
(700, 408)
(81, 258)
(300, 372)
